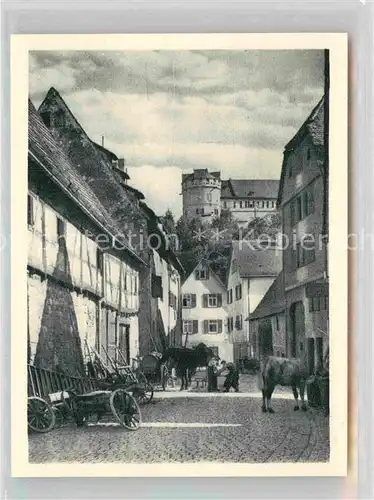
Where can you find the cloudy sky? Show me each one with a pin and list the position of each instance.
(169, 112)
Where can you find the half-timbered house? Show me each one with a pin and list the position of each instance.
(83, 278)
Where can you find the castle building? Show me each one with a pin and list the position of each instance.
(205, 195)
(201, 194)
(249, 199)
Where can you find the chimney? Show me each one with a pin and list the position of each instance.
(102, 141)
(121, 164)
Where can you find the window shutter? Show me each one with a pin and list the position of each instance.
(206, 326)
(219, 326)
(205, 300)
(157, 291)
(219, 300)
(310, 202)
(293, 212)
(197, 275)
(193, 300)
(195, 326)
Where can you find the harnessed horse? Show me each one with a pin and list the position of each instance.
(186, 360)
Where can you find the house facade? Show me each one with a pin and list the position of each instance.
(251, 272)
(248, 199)
(302, 198)
(80, 292)
(205, 312)
(267, 323)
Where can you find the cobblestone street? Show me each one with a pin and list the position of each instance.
(180, 427)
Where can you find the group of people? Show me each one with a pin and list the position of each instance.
(215, 369)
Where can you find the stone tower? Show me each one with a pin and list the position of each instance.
(201, 194)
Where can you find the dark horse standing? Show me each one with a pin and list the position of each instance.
(186, 360)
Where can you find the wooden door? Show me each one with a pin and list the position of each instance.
(124, 342)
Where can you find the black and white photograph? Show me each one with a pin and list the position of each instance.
(179, 257)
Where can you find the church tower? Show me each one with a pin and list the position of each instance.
(201, 194)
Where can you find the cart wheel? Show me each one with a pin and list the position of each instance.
(40, 414)
(145, 396)
(126, 410)
(59, 416)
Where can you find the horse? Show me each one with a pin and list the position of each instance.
(186, 360)
(286, 372)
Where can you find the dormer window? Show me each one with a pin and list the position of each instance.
(201, 274)
(59, 119)
(46, 117)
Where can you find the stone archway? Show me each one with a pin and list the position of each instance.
(265, 334)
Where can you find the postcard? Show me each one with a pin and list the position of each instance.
(179, 255)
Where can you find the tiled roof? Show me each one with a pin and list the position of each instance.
(255, 261)
(273, 301)
(313, 125)
(54, 161)
(201, 173)
(245, 188)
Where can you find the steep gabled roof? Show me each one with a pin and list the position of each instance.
(44, 150)
(273, 301)
(255, 261)
(246, 188)
(314, 127)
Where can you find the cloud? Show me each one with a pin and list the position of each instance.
(161, 187)
(166, 112)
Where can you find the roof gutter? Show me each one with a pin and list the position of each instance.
(87, 212)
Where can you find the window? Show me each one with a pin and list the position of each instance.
(299, 255)
(46, 117)
(251, 204)
(212, 300)
(173, 301)
(299, 211)
(238, 292)
(100, 261)
(224, 204)
(212, 326)
(239, 322)
(61, 228)
(189, 300)
(59, 119)
(318, 304)
(302, 206)
(190, 327)
(157, 291)
(216, 211)
(201, 274)
(241, 204)
(30, 210)
(230, 324)
(229, 296)
(305, 252)
(277, 322)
